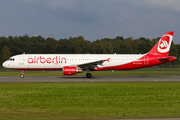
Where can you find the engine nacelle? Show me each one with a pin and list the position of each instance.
(67, 70)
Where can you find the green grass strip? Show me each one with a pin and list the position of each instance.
(53, 101)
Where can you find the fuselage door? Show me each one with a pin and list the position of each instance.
(146, 60)
(21, 60)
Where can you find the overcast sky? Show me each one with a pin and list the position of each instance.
(92, 19)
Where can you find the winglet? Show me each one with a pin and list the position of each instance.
(108, 59)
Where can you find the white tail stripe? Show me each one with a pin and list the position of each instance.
(165, 44)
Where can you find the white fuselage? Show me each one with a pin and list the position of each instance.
(57, 61)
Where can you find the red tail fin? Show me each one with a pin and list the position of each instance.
(162, 47)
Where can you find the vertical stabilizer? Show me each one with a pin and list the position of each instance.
(162, 47)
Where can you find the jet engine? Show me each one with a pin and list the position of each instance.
(68, 70)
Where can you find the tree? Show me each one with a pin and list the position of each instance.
(5, 54)
(51, 45)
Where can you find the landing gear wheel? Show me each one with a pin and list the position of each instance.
(22, 76)
(88, 75)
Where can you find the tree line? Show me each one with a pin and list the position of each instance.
(10, 46)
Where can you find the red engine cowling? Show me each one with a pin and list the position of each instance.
(67, 70)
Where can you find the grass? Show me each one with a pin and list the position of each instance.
(56, 101)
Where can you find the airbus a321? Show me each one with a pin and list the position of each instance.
(72, 64)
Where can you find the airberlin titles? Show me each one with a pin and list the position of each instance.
(40, 59)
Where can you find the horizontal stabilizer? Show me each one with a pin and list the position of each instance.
(167, 58)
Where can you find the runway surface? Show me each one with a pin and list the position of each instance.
(93, 79)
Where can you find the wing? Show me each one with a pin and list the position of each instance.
(93, 64)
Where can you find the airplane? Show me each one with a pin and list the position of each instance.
(72, 64)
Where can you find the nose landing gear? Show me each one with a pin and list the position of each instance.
(22, 74)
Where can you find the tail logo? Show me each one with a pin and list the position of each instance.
(164, 44)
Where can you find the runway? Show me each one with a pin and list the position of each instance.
(93, 79)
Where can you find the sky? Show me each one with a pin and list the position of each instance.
(92, 19)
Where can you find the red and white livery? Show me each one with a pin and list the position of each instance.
(72, 64)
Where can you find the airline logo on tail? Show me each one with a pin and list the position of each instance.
(164, 44)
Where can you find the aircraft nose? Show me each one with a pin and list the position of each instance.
(5, 64)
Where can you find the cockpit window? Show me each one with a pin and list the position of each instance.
(11, 59)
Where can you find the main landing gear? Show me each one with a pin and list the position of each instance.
(22, 74)
(88, 75)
